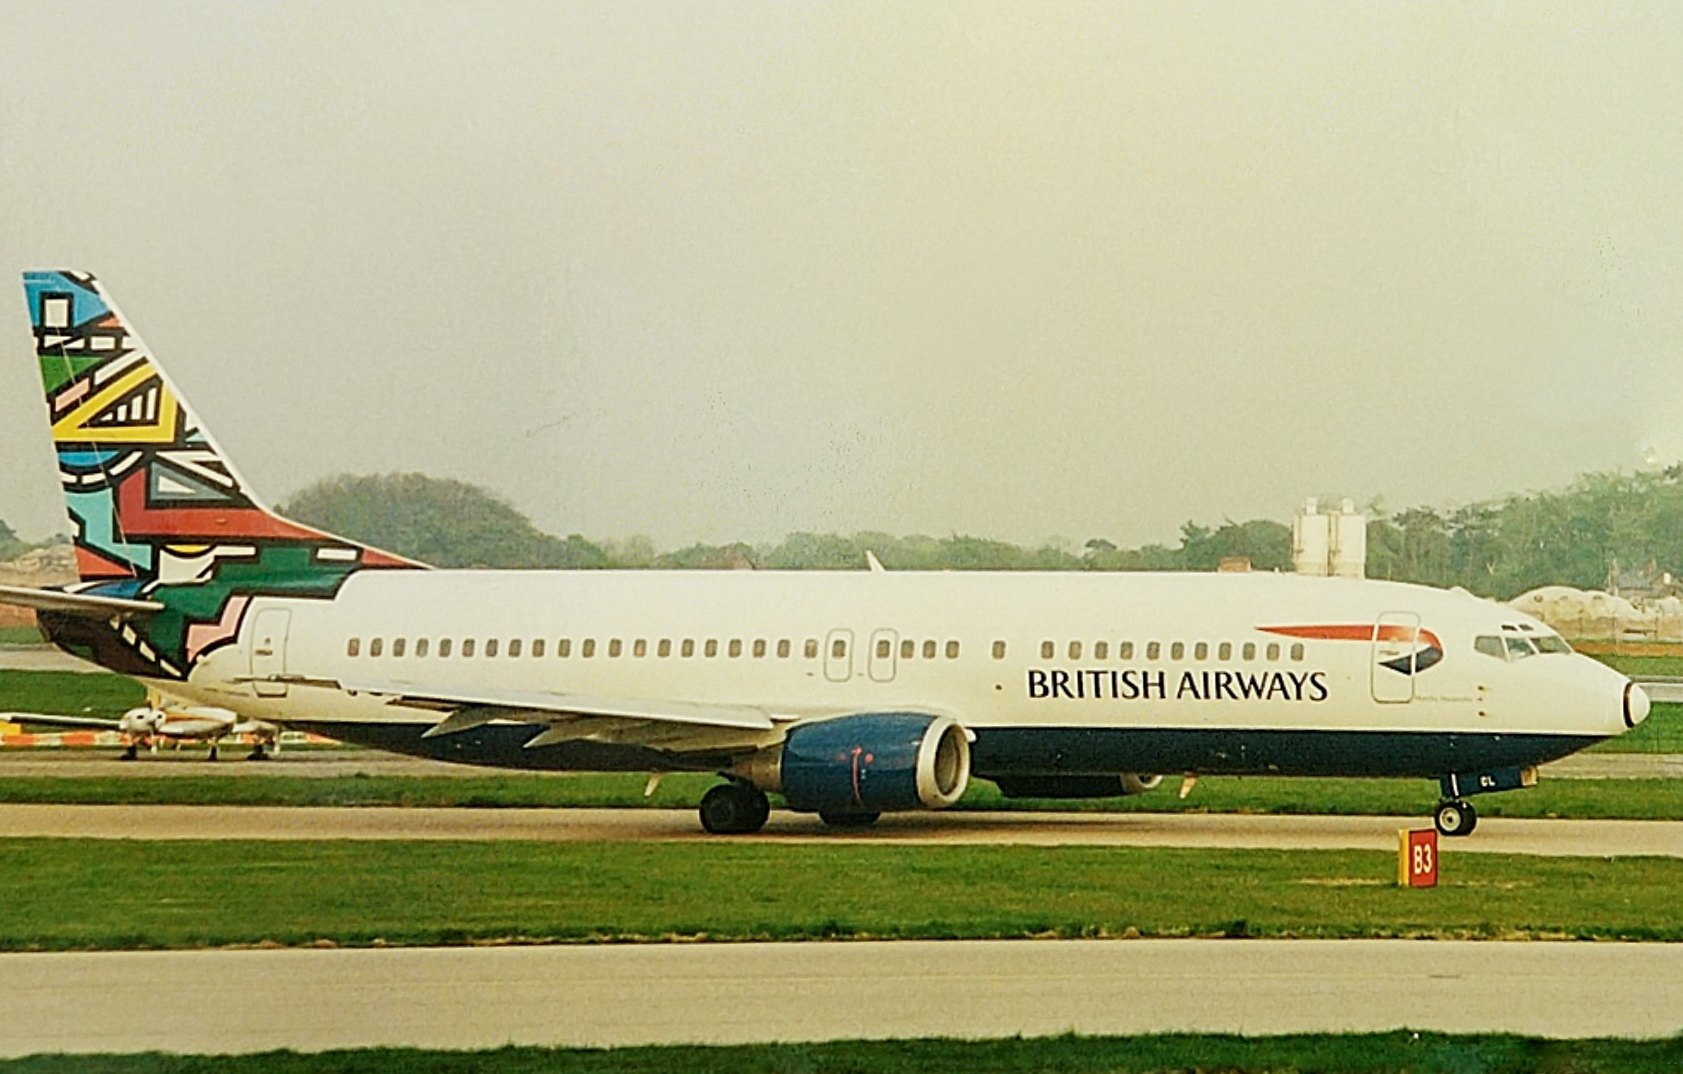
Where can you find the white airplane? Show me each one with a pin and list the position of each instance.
(160, 721)
(849, 693)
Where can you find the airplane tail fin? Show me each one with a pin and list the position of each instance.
(152, 499)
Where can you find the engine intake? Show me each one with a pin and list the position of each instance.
(874, 763)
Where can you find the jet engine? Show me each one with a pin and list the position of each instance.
(860, 766)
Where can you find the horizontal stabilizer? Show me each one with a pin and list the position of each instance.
(86, 604)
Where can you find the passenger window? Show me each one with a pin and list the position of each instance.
(640, 647)
(1224, 651)
(587, 648)
(1048, 650)
(1125, 651)
(885, 648)
(999, 650)
(929, 649)
(1297, 651)
(490, 646)
(1249, 651)
(537, 646)
(783, 648)
(908, 649)
(1490, 646)
(376, 647)
(1152, 648)
(811, 649)
(564, 648)
(736, 647)
(664, 649)
(614, 646)
(711, 649)
(688, 648)
(443, 646)
(838, 648)
(952, 650)
(353, 647)
(397, 646)
(514, 647)
(420, 646)
(1273, 651)
(1075, 650)
(1177, 650)
(1201, 651)
(759, 648)
(1101, 650)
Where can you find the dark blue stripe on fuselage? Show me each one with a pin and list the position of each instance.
(1039, 750)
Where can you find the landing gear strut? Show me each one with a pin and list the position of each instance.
(734, 809)
(1455, 817)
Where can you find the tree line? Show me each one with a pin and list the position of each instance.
(1495, 548)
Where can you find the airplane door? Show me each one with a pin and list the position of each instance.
(268, 651)
(882, 655)
(1395, 641)
(838, 655)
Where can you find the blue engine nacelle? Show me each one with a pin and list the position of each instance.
(875, 763)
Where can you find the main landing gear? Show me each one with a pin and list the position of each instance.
(734, 809)
(1455, 817)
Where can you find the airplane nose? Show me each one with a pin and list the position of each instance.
(1636, 704)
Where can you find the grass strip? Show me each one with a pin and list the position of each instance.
(68, 693)
(1399, 1052)
(1632, 799)
(70, 894)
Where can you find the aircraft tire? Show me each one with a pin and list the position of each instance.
(734, 809)
(1455, 818)
(853, 818)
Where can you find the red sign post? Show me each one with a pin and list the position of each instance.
(1417, 858)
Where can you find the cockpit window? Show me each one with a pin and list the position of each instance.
(1490, 646)
(1519, 648)
(1551, 643)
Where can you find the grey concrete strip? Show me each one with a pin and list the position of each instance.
(1555, 838)
(242, 1001)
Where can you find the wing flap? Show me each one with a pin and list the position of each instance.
(544, 707)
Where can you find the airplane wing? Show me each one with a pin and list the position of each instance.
(85, 604)
(47, 719)
(677, 726)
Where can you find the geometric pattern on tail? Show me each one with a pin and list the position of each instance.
(155, 507)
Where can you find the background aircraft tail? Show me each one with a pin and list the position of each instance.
(153, 501)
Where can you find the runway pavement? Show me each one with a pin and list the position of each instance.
(311, 1000)
(1556, 838)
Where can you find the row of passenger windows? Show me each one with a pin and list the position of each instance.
(1177, 650)
(928, 648)
(709, 647)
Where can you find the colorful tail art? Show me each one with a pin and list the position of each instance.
(156, 508)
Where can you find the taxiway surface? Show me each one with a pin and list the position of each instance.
(1555, 838)
(313, 1000)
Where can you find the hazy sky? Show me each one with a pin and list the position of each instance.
(721, 271)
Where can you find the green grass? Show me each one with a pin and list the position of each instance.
(21, 635)
(68, 693)
(1400, 1052)
(75, 894)
(1632, 799)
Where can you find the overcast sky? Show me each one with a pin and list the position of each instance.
(722, 271)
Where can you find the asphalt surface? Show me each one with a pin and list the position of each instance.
(1554, 838)
(242, 1001)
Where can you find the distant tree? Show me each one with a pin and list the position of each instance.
(441, 522)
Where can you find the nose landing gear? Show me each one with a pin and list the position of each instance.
(1455, 817)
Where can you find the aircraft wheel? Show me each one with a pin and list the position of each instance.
(212, 756)
(734, 809)
(1455, 818)
(837, 818)
(130, 754)
(258, 754)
